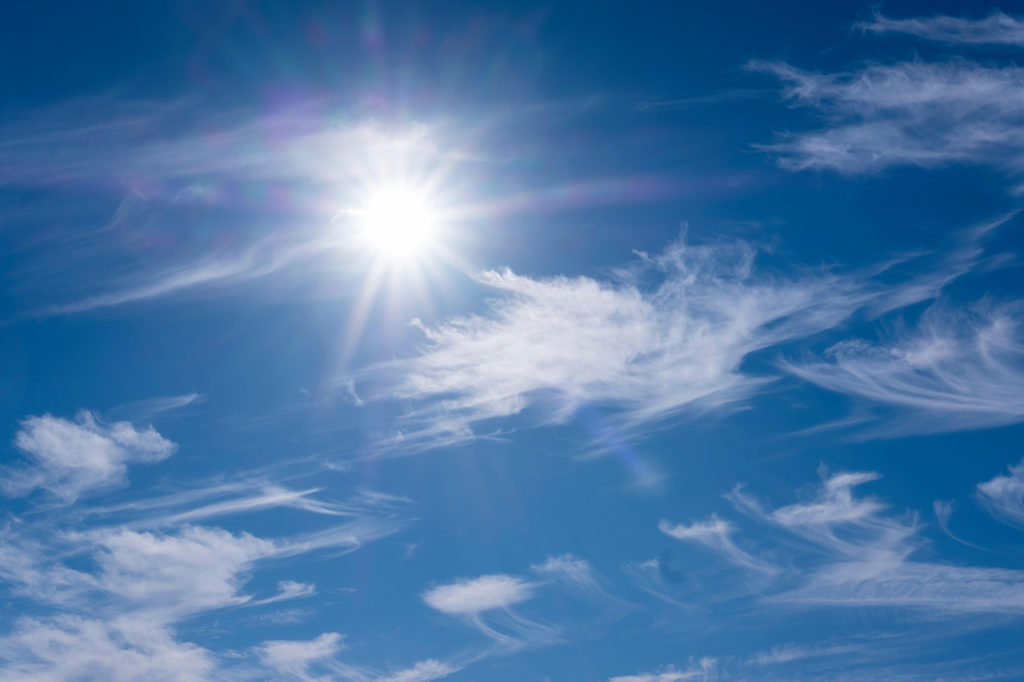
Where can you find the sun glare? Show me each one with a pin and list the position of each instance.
(398, 222)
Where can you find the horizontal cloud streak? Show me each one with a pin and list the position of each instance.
(952, 371)
(995, 29)
(909, 113)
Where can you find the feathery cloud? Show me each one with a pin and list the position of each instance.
(995, 29)
(667, 336)
(954, 370)
(1003, 495)
(865, 558)
(716, 534)
(906, 113)
(701, 669)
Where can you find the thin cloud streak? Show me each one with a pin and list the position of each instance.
(907, 113)
(995, 29)
(953, 370)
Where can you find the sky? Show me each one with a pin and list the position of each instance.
(582, 341)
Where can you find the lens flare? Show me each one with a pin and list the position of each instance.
(398, 222)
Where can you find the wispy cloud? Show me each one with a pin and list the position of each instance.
(995, 29)
(716, 534)
(424, 671)
(700, 669)
(953, 370)
(295, 658)
(668, 334)
(788, 653)
(866, 558)
(907, 113)
(1003, 495)
(576, 575)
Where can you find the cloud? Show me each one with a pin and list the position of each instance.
(716, 534)
(294, 658)
(115, 583)
(470, 596)
(289, 589)
(486, 604)
(702, 669)
(579, 577)
(667, 335)
(77, 648)
(954, 370)
(424, 671)
(1004, 495)
(855, 555)
(995, 29)
(191, 570)
(906, 113)
(788, 653)
(69, 458)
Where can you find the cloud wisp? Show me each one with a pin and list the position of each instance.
(703, 669)
(866, 558)
(995, 29)
(911, 113)
(716, 534)
(908, 113)
(666, 336)
(1003, 495)
(953, 370)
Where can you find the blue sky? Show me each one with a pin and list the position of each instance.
(404, 342)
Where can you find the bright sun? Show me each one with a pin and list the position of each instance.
(398, 222)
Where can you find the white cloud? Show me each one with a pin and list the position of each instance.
(857, 556)
(575, 572)
(954, 370)
(294, 657)
(424, 671)
(666, 336)
(1004, 495)
(486, 603)
(469, 596)
(69, 648)
(69, 458)
(192, 570)
(118, 594)
(578, 576)
(907, 113)
(701, 669)
(995, 29)
(787, 653)
(716, 534)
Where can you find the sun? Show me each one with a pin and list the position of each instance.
(398, 222)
